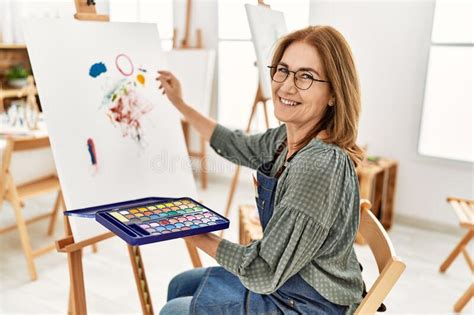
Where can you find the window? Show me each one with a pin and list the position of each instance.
(447, 122)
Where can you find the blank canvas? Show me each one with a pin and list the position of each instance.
(266, 26)
(194, 68)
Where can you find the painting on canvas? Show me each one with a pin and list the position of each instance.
(114, 137)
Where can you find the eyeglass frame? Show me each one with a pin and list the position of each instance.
(294, 77)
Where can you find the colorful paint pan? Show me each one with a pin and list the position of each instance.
(152, 220)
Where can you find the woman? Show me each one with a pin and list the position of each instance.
(308, 197)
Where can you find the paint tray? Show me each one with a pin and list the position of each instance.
(154, 219)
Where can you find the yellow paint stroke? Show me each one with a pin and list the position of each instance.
(141, 79)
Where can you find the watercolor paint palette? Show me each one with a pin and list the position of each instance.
(150, 220)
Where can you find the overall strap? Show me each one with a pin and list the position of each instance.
(279, 150)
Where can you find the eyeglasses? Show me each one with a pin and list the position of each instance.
(302, 78)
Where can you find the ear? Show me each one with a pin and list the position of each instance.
(332, 101)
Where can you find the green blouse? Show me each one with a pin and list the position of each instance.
(315, 220)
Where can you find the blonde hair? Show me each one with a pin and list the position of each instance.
(341, 120)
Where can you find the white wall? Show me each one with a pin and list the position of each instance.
(390, 42)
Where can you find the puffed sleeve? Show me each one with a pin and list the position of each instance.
(246, 150)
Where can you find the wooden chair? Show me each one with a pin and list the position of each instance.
(389, 265)
(15, 195)
(464, 209)
(249, 225)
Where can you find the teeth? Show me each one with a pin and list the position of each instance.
(288, 102)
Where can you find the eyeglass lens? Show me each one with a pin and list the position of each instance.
(302, 79)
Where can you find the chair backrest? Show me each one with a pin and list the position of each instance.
(389, 265)
(464, 209)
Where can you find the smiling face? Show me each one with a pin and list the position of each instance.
(293, 106)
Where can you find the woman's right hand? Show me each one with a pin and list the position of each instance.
(170, 86)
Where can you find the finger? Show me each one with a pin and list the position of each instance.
(165, 73)
(162, 79)
(162, 76)
(166, 85)
(172, 76)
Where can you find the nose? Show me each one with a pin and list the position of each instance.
(288, 85)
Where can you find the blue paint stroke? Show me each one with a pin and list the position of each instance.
(91, 149)
(97, 69)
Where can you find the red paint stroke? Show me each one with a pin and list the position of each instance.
(127, 110)
(122, 71)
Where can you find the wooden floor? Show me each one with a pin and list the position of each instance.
(110, 286)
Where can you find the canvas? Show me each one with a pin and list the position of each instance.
(266, 26)
(114, 137)
(194, 68)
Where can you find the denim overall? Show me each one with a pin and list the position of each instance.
(221, 292)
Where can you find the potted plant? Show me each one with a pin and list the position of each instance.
(17, 76)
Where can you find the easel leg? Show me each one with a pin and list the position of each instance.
(464, 299)
(67, 226)
(194, 254)
(25, 239)
(70, 304)
(265, 112)
(203, 163)
(54, 214)
(76, 277)
(457, 250)
(252, 113)
(468, 259)
(230, 198)
(185, 126)
(140, 279)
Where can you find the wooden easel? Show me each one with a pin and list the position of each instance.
(15, 195)
(185, 44)
(259, 99)
(77, 297)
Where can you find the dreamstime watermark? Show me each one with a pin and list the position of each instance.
(170, 163)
